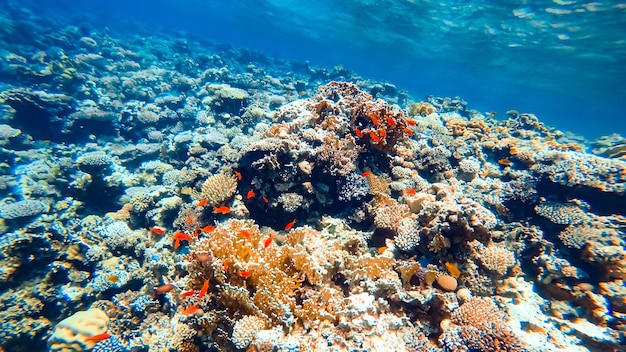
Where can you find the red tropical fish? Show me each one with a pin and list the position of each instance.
(221, 210)
(290, 225)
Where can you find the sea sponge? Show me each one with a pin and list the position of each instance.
(218, 188)
(72, 333)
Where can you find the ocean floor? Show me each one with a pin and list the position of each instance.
(170, 194)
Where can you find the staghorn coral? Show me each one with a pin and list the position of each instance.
(218, 188)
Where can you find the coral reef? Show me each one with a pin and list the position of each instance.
(176, 195)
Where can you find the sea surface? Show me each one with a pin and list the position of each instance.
(561, 60)
(345, 176)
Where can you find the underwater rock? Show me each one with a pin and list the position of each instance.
(226, 99)
(38, 113)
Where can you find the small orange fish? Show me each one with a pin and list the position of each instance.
(158, 230)
(410, 122)
(244, 233)
(266, 200)
(250, 194)
(190, 310)
(382, 133)
(190, 220)
(99, 337)
(366, 174)
(226, 265)
(408, 132)
(290, 225)
(453, 269)
(381, 250)
(505, 162)
(358, 132)
(374, 137)
(202, 203)
(410, 191)
(188, 293)
(204, 289)
(221, 210)
(196, 233)
(390, 121)
(239, 176)
(163, 289)
(374, 119)
(245, 274)
(208, 228)
(182, 236)
(268, 241)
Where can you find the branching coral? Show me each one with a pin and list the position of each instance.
(267, 276)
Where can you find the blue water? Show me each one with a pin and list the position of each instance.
(561, 60)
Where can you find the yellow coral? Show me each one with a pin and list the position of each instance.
(72, 333)
(218, 188)
(273, 274)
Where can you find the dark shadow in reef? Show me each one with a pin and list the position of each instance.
(601, 203)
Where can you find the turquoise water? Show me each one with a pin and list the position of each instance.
(561, 60)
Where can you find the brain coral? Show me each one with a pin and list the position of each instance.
(72, 334)
(22, 209)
